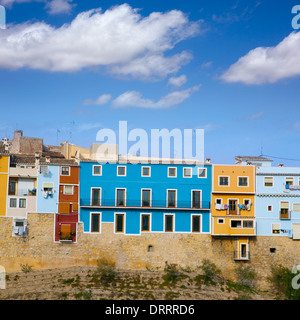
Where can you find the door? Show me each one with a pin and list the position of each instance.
(232, 206)
(12, 188)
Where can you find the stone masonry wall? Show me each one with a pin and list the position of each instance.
(131, 252)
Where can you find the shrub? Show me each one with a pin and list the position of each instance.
(25, 267)
(172, 273)
(245, 275)
(105, 273)
(210, 271)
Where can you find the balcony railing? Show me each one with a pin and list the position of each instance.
(23, 192)
(239, 255)
(145, 204)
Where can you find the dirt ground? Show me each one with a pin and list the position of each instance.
(82, 283)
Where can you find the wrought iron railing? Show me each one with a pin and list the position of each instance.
(145, 203)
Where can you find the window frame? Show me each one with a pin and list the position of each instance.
(192, 223)
(68, 194)
(150, 197)
(205, 175)
(23, 200)
(187, 176)
(124, 197)
(99, 223)
(69, 171)
(100, 197)
(175, 201)
(123, 222)
(242, 177)
(16, 202)
(192, 198)
(172, 168)
(97, 166)
(149, 222)
(118, 172)
(268, 182)
(166, 215)
(146, 167)
(223, 185)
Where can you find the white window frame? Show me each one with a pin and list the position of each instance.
(224, 185)
(175, 176)
(238, 181)
(205, 170)
(96, 174)
(196, 215)
(125, 198)
(100, 223)
(65, 175)
(142, 169)
(21, 198)
(69, 194)
(272, 182)
(198, 190)
(191, 172)
(176, 194)
(146, 189)
(125, 172)
(218, 221)
(97, 188)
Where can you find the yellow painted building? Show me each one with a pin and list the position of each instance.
(233, 205)
(4, 171)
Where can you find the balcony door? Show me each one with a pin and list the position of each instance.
(233, 207)
(120, 198)
(96, 197)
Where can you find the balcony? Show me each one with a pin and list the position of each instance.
(241, 255)
(23, 192)
(23, 172)
(284, 214)
(153, 204)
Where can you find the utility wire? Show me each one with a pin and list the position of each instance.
(265, 155)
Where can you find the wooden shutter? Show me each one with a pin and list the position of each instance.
(65, 230)
(64, 207)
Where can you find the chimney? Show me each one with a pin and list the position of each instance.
(18, 134)
(280, 165)
(37, 159)
(48, 159)
(207, 160)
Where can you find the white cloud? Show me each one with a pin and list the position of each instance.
(267, 64)
(59, 6)
(119, 39)
(103, 99)
(178, 81)
(255, 116)
(135, 99)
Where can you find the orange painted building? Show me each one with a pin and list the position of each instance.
(233, 206)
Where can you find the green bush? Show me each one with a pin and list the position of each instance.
(281, 278)
(105, 272)
(210, 271)
(245, 275)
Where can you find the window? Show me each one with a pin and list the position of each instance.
(284, 210)
(146, 172)
(22, 203)
(223, 181)
(95, 222)
(196, 199)
(187, 172)
(172, 172)
(221, 221)
(171, 198)
(146, 198)
(13, 203)
(65, 171)
(246, 202)
(289, 181)
(296, 207)
(121, 171)
(218, 201)
(243, 251)
(69, 190)
(121, 197)
(119, 223)
(275, 228)
(247, 224)
(236, 224)
(270, 208)
(169, 220)
(196, 224)
(268, 181)
(97, 170)
(12, 188)
(96, 197)
(243, 181)
(201, 173)
(145, 223)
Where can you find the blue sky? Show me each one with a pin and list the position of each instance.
(229, 67)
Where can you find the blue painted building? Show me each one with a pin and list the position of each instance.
(137, 198)
(278, 201)
(47, 188)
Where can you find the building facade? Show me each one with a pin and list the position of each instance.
(145, 198)
(4, 171)
(233, 205)
(278, 202)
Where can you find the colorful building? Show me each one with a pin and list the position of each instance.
(145, 198)
(4, 171)
(278, 201)
(233, 206)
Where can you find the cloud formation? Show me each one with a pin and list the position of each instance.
(267, 64)
(119, 39)
(103, 99)
(135, 99)
(178, 81)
